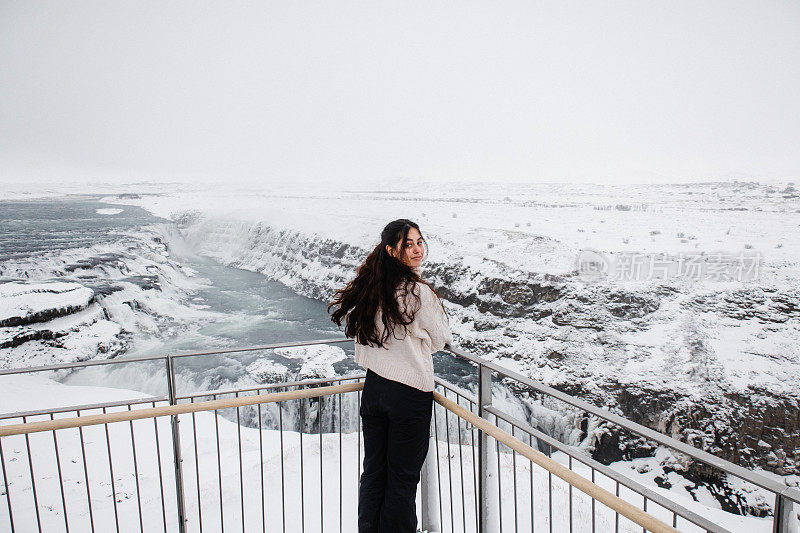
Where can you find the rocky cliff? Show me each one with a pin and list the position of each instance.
(713, 366)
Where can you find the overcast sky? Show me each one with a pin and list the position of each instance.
(603, 91)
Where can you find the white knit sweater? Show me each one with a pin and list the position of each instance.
(406, 355)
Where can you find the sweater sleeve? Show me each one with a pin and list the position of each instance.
(430, 322)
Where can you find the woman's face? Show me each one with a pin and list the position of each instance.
(411, 252)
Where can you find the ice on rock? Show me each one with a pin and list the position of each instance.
(26, 303)
(266, 371)
(316, 362)
(317, 359)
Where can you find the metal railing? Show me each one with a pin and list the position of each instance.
(510, 500)
(486, 491)
(787, 499)
(115, 470)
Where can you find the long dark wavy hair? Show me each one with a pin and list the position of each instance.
(375, 288)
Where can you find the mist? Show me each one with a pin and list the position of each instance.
(377, 92)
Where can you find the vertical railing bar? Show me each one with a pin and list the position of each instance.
(461, 469)
(219, 470)
(533, 513)
(674, 519)
(261, 469)
(196, 471)
(161, 473)
(241, 473)
(176, 446)
(60, 479)
(302, 489)
(570, 496)
(778, 516)
(499, 482)
(321, 507)
(616, 513)
(86, 475)
(645, 510)
(438, 470)
(484, 400)
(5, 482)
(135, 474)
(283, 480)
(593, 505)
(449, 467)
(514, 467)
(550, 501)
(111, 473)
(474, 473)
(33, 481)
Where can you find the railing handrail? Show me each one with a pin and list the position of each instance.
(615, 503)
(276, 385)
(576, 480)
(140, 358)
(84, 407)
(702, 456)
(775, 487)
(177, 409)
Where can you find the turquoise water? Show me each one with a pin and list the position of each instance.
(30, 226)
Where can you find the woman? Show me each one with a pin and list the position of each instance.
(397, 322)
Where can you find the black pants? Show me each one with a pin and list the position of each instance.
(396, 420)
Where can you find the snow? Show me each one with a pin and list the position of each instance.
(25, 303)
(317, 359)
(317, 362)
(109, 211)
(553, 221)
(267, 371)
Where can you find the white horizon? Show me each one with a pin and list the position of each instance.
(627, 92)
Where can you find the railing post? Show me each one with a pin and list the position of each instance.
(487, 469)
(785, 519)
(431, 521)
(176, 447)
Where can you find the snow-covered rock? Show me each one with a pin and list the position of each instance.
(317, 359)
(22, 303)
(267, 371)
